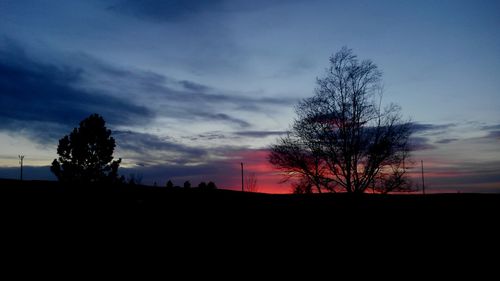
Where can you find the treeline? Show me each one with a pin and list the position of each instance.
(136, 180)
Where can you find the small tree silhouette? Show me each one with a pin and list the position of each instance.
(251, 183)
(202, 185)
(211, 185)
(170, 184)
(86, 154)
(187, 184)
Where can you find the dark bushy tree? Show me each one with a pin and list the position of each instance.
(170, 184)
(86, 154)
(211, 185)
(342, 140)
(187, 184)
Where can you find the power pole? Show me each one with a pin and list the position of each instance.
(423, 183)
(21, 159)
(242, 186)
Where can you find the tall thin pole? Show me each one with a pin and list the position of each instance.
(423, 183)
(21, 158)
(242, 186)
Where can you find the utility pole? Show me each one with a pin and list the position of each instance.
(21, 159)
(242, 186)
(423, 183)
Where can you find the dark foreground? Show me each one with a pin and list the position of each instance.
(134, 222)
(56, 202)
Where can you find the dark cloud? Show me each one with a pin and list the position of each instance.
(446, 141)
(260, 134)
(426, 128)
(224, 117)
(493, 131)
(217, 135)
(491, 127)
(188, 85)
(163, 10)
(45, 100)
(494, 135)
(147, 149)
(420, 143)
(178, 99)
(479, 176)
(177, 10)
(36, 97)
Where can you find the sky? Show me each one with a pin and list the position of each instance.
(191, 89)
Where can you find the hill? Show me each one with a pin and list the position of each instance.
(38, 197)
(34, 213)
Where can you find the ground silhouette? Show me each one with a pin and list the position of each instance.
(38, 197)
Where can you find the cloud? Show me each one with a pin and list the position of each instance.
(420, 143)
(178, 10)
(473, 176)
(259, 134)
(163, 10)
(494, 135)
(491, 127)
(493, 131)
(446, 141)
(147, 149)
(36, 96)
(178, 99)
(430, 128)
(208, 136)
(44, 100)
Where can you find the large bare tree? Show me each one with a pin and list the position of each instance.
(343, 139)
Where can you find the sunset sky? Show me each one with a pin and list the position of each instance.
(192, 88)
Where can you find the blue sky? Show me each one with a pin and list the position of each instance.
(189, 87)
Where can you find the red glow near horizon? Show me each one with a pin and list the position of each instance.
(437, 175)
(255, 161)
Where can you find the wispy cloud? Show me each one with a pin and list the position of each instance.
(431, 128)
(420, 143)
(472, 176)
(494, 135)
(493, 131)
(148, 148)
(161, 11)
(259, 134)
(491, 127)
(446, 141)
(178, 10)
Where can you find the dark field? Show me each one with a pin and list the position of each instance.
(139, 224)
(143, 202)
(40, 206)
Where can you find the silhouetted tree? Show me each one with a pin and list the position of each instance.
(86, 154)
(211, 185)
(187, 184)
(202, 185)
(170, 184)
(251, 183)
(341, 139)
